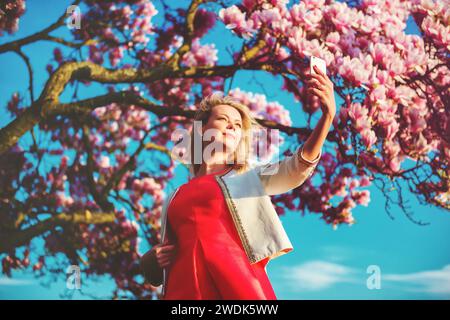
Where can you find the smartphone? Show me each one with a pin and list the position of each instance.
(320, 63)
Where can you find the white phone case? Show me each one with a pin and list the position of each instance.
(320, 63)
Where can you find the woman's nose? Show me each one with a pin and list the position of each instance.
(230, 126)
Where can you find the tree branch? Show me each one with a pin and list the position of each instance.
(49, 98)
(188, 35)
(30, 73)
(99, 197)
(41, 35)
(19, 238)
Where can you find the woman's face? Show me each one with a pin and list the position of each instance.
(226, 123)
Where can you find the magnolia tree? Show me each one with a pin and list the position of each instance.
(83, 179)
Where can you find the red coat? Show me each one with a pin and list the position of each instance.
(247, 195)
(211, 262)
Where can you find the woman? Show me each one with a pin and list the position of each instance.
(220, 229)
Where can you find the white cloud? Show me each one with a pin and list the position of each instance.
(317, 275)
(335, 253)
(13, 282)
(430, 281)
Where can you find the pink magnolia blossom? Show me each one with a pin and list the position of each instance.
(355, 70)
(203, 22)
(361, 197)
(201, 55)
(368, 137)
(235, 20)
(364, 182)
(359, 116)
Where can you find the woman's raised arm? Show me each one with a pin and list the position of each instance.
(289, 173)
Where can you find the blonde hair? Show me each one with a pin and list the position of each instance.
(248, 122)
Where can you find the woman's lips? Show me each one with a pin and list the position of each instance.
(229, 134)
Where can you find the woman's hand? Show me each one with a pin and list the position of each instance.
(164, 253)
(154, 260)
(321, 86)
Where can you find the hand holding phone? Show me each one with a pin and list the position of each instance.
(320, 90)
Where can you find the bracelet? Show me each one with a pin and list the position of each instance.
(308, 162)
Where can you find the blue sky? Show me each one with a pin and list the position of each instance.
(414, 260)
